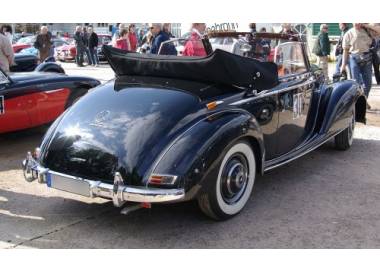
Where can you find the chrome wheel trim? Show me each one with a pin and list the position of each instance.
(241, 197)
(234, 178)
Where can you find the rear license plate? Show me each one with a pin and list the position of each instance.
(68, 184)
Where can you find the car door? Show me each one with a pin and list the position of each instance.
(294, 96)
(44, 106)
(13, 115)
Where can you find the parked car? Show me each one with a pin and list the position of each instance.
(23, 43)
(56, 42)
(68, 52)
(177, 129)
(37, 98)
(26, 62)
(17, 36)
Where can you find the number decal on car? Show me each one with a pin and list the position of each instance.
(2, 105)
(298, 103)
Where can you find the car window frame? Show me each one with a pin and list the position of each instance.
(304, 57)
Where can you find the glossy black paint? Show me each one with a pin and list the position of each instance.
(24, 63)
(32, 82)
(30, 63)
(143, 125)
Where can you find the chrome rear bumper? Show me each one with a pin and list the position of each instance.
(118, 192)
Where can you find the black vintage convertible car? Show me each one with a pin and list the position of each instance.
(171, 129)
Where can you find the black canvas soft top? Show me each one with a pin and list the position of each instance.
(220, 67)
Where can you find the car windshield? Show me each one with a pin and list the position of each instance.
(29, 39)
(59, 42)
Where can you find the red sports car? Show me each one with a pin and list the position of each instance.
(68, 52)
(36, 98)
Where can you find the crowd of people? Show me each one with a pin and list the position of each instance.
(155, 39)
(86, 42)
(357, 51)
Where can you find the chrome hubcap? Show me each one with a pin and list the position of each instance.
(234, 178)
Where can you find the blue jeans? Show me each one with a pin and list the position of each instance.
(79, 55)
(94, 55)
(88, 56)
(362, 74)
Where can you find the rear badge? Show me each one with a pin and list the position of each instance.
(2, 105)
(101, 118)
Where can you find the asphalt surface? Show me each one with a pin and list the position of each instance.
(326, 199)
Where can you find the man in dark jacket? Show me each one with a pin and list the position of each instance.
(323, 52)
(93, 42)
(80, 46)
(43, 43)
(339, 49)
(86, 50)
(160, 37)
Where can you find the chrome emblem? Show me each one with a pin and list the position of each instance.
(102, 116)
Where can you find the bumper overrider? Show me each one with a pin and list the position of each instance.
(118, 192)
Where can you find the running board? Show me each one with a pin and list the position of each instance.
(289, 157)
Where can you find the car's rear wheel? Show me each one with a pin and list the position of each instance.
(233, 186)
(344, 140)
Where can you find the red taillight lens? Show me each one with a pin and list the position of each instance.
(162, 179)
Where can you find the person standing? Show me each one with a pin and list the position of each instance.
(93, 42)
(194, 46)
(160, 37)
(86, 50)
(117, 33)
(166, 27)
(322, 49)
(6, 53)
(123, 42)
(356, 50)
(132, 37)
(339, 48)
(43, 43)
(7, 31)
(80, 46)
(141, 37)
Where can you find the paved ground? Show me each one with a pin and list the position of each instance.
(327, 199)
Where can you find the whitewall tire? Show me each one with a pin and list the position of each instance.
(233, 186)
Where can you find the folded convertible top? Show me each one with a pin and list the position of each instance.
(220, 67)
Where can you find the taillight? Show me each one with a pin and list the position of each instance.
(158, 179)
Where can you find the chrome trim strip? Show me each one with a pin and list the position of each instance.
(129, 193)
(302, 153)
(267, 93)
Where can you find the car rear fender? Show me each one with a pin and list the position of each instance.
(337, 102)
(196, 153)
